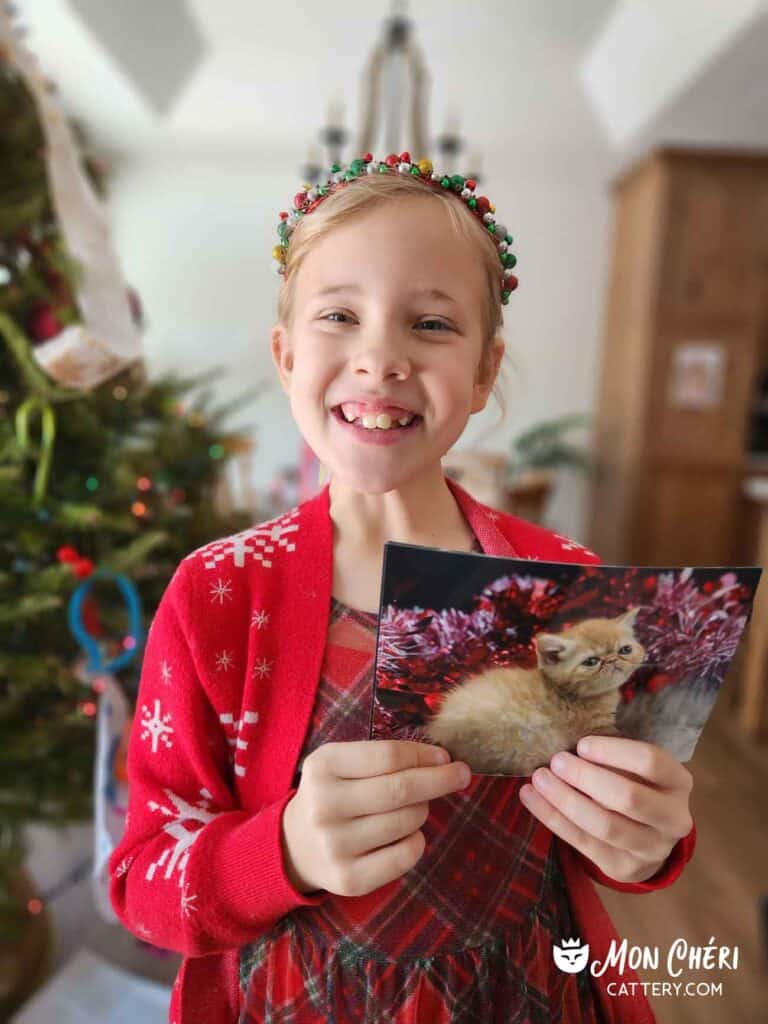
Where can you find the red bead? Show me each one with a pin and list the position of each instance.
(392, 159)
(511, 282)
(67, 554)
(482, 204)
(368, 157)
(471, 184)
(299, 199)
(405, 158)
(83, 568)
(283, 215)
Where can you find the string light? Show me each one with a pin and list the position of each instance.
(119, 392)
(129, 643)
(92, 483)
(144, 483)
(139, 508)
(216, 451)
(88, 708)
(34, 906)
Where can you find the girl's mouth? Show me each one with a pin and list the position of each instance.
(375, 435)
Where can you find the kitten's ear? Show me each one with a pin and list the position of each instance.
(628, 618)
(550, 647)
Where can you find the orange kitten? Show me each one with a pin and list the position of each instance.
(510, 721)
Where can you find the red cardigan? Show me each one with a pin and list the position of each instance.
(231, 666)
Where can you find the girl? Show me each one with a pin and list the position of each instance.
(307, 873)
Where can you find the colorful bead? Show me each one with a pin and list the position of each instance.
(425, 166)
(391, 160)
(483, 203)
(277, 252)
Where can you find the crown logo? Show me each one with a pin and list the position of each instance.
(570, 944)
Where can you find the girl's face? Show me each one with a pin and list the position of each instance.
(367, 326)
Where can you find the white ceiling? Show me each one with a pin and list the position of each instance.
(508, 66)
(259, 77)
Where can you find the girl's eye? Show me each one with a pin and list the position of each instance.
(336, 313)
(438, 322)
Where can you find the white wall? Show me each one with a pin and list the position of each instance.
(195, 234)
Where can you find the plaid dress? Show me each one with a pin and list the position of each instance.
(464, 936)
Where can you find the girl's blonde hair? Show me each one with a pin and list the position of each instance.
(368, 192)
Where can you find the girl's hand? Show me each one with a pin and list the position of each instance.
(354, 823)
(625, 817)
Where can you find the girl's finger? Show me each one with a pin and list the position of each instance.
(608, 858)
(634, 800)
(597, 822)
(648, 761)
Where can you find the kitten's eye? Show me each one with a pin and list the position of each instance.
(591, 661)
(625, 649)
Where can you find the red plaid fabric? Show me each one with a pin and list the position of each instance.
(464, 936)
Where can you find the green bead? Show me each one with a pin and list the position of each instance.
(383, 168)
(505, 295)
(491, 228)
(472, 203)
(508, 259)
(322, 189)
(357, 166)
(335, 168)
(508, 239)
(457, 182)
(282, 229)
(349, 175)
(415, 170)
(445, 182)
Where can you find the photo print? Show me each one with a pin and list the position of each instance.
(505, 661)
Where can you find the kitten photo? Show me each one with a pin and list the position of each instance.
(510, 721)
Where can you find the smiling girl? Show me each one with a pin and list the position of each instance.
(307, 873)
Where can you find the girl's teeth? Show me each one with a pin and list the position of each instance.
(381, 421)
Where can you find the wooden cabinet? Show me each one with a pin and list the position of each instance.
(685, 337)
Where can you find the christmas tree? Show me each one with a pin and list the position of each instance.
(100, 468)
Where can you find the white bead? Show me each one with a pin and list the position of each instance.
(508, 272)
(488, 218)
(372, 167)
(404, 168)
(501, 230)
(435, 176)
(465, 193)
(502, 246)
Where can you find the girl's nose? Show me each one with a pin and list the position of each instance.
(381, 359)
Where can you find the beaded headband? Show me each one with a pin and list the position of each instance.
(306, 201)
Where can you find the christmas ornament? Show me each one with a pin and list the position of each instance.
(42, 323)
(310, 197)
